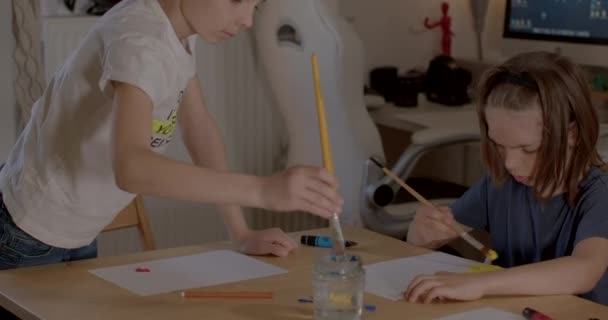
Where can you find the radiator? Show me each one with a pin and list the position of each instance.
(237, 97)
(253, 128)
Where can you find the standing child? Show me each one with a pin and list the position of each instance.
(97, 136)
(545, 200)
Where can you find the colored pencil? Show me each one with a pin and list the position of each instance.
(227, 294)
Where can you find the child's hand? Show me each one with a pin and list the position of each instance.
(445, 286)
(431, 227)
(269, 241)
(302, 188)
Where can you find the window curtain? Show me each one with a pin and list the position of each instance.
(29, 71)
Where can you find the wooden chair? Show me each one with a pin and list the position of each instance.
(134, 215)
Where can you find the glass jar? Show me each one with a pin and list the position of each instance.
(338, 284)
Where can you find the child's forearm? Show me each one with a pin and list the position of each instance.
(235, 222)
(566, 275)
(210, 152)
(146, 172)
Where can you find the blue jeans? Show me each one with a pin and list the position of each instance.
(18, 249)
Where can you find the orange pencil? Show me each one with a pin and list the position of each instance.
(228, 294)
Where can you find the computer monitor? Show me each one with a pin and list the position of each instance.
(575, 28)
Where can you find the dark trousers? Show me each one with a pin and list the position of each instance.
(18, 249)
(5, 314)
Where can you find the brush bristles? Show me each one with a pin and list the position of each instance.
(490, 254)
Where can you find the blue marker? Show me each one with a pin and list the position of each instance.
(323, 242)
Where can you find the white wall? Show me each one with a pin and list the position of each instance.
(394, 34)
(7, 100)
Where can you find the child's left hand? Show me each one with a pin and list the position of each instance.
(269, 241)
(445, 286)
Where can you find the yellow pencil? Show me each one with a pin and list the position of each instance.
(326, 150)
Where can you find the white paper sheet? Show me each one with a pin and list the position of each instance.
(389, 279)
(186, 272)
(484, 314)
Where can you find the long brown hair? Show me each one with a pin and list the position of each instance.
(559, 88)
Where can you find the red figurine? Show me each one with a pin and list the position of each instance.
(446, 31)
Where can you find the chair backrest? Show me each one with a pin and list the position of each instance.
(134, 215)
(287, 33)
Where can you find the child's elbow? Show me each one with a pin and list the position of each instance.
(585, 286)
(123, 183)
(587, 281)
(124, 176)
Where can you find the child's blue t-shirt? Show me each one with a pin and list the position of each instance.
(524, 230)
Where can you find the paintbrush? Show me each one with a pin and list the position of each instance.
(338, 245)
(490, 255)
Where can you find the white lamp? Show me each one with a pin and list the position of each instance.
(479, 9)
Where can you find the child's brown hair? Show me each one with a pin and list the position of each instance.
(559, 87)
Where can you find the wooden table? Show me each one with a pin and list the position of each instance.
(69, 291)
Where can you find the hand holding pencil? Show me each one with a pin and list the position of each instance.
(431, 227)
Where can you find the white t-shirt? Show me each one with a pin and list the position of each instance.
(58, 182)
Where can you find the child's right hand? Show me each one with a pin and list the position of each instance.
(431, 227)
(302, 188)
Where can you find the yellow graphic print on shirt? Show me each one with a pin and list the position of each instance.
(162, 131)
(165, 128)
